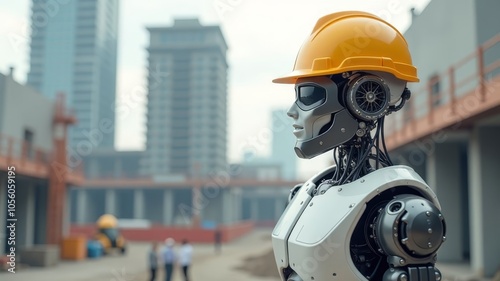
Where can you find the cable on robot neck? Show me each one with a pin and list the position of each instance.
(361, 156)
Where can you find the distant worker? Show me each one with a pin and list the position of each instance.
(169, 258)
(185, 258)
(153, 260)
(217, 240)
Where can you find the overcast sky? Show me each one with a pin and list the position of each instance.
(263, 37)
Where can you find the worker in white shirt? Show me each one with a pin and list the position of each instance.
(169, 258)
(185, 258)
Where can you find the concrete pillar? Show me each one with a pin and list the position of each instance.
(279, 207)
(238, 204)
(25, 214)
(81, 206)
(227, 207)
(41, 199)
(67, 213)
(3, 213)
(254, 208)
(117, 169)
(168, 207)
(138, 204)
(443, 176)
(484, 196)
(110, 202)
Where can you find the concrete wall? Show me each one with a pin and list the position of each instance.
(24, 108)
(484, 179)
(441, 35)
(41, 194)
(488, 25)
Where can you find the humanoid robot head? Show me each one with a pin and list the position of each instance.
(350, 72)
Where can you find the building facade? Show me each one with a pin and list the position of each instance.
(74, 51)
(449, 131)
(187, 100)
(32, 167)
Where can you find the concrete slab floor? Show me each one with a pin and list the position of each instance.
(207, 265)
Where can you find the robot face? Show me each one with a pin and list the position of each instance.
(314, 113)
(315, 100)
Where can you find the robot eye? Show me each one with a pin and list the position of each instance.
(310, 94)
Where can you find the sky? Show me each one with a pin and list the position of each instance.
(263, 38)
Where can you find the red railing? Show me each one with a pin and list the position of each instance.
(33, 160)
(19, 150)
(470, 75)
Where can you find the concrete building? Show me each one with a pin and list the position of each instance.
(112, 164)
(33, 167)
(74, 51)
(187, 100)
(450, 130)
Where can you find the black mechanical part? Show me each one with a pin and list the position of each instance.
(410, 230)
(413, 273)
(366, 252)
(294, 191)
(368, 97)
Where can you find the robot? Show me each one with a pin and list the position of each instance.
(364, 218)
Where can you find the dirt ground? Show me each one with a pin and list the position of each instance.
(260, 266)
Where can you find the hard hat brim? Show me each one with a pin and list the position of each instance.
(292, 77)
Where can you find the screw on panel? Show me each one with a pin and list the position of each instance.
(342, 130)
(438, 275)
(362, 181)
(302, 202)
(403, 277)
(428, 213)
(352, 205)
(311, 204)
(401, 261)
(429, 245)
(429, 230)
(444, 238)
(323, 191)
(320, 143)
(340, 189)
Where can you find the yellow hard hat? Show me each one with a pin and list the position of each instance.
(107, 221)
(350, 41)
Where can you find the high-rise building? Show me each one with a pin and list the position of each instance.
(187, 96)
(73, 50)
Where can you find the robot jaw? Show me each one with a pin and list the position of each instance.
(343, 129)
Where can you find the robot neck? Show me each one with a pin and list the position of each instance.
(360, 157)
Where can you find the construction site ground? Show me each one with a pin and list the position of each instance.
(249, 258)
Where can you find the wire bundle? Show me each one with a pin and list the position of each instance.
(361, 156)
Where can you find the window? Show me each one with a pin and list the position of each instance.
(28, 143)
(435, 90)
